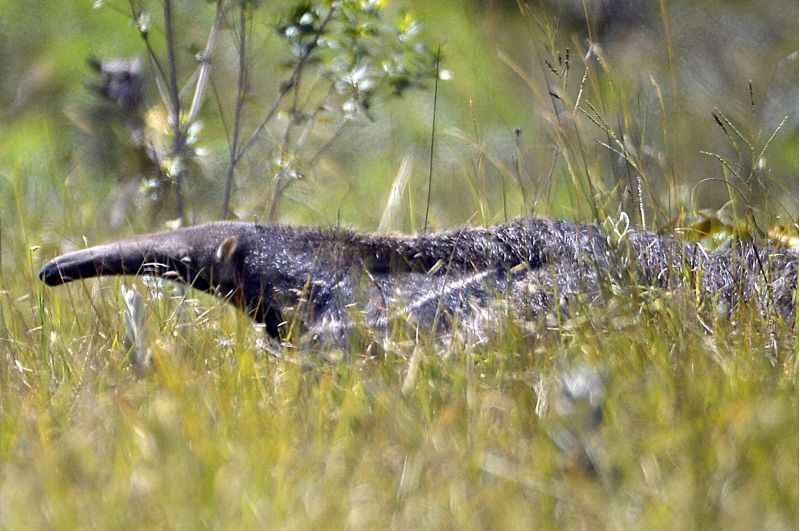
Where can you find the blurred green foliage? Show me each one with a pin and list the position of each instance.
(511, 70)
(542, 114)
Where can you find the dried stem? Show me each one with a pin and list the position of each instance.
(241, 88)
(517, 160)
(205, 67)
(175, 122)
(291, 83)
(327, 145)
(284, 89)
(312, 119)
(433, 138)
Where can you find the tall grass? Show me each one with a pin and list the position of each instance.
(696, 429)
(627, 415)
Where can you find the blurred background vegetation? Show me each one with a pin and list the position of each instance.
(685, 91)
(682, 114)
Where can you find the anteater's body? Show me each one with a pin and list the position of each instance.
(328, 279)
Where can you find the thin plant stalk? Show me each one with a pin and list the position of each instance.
(205, 68)
(285, 88)
(433, 138)
(241, 87)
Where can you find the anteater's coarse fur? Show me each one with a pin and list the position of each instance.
(327, 279)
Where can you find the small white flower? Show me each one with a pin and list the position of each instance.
(349, 106)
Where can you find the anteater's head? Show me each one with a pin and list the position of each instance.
(207, 257)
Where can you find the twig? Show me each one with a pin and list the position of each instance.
(518, 168)
(771, 138)
(312, 119)
(236, 155)
(173, 67)
(160, 75)
(285, 88)
(433, 137)
(177, 130)
(280, 187)
(287, 135)
(326, 146)
(205, 68)
(241, 87)
(225, 128)
(636, 182)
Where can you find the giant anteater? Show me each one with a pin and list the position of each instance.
(327, 279)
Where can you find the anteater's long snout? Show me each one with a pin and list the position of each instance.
(111, 259)
(156, 255)
(52, 275)
(180, 255)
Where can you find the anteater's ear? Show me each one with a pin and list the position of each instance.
(227, 249)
